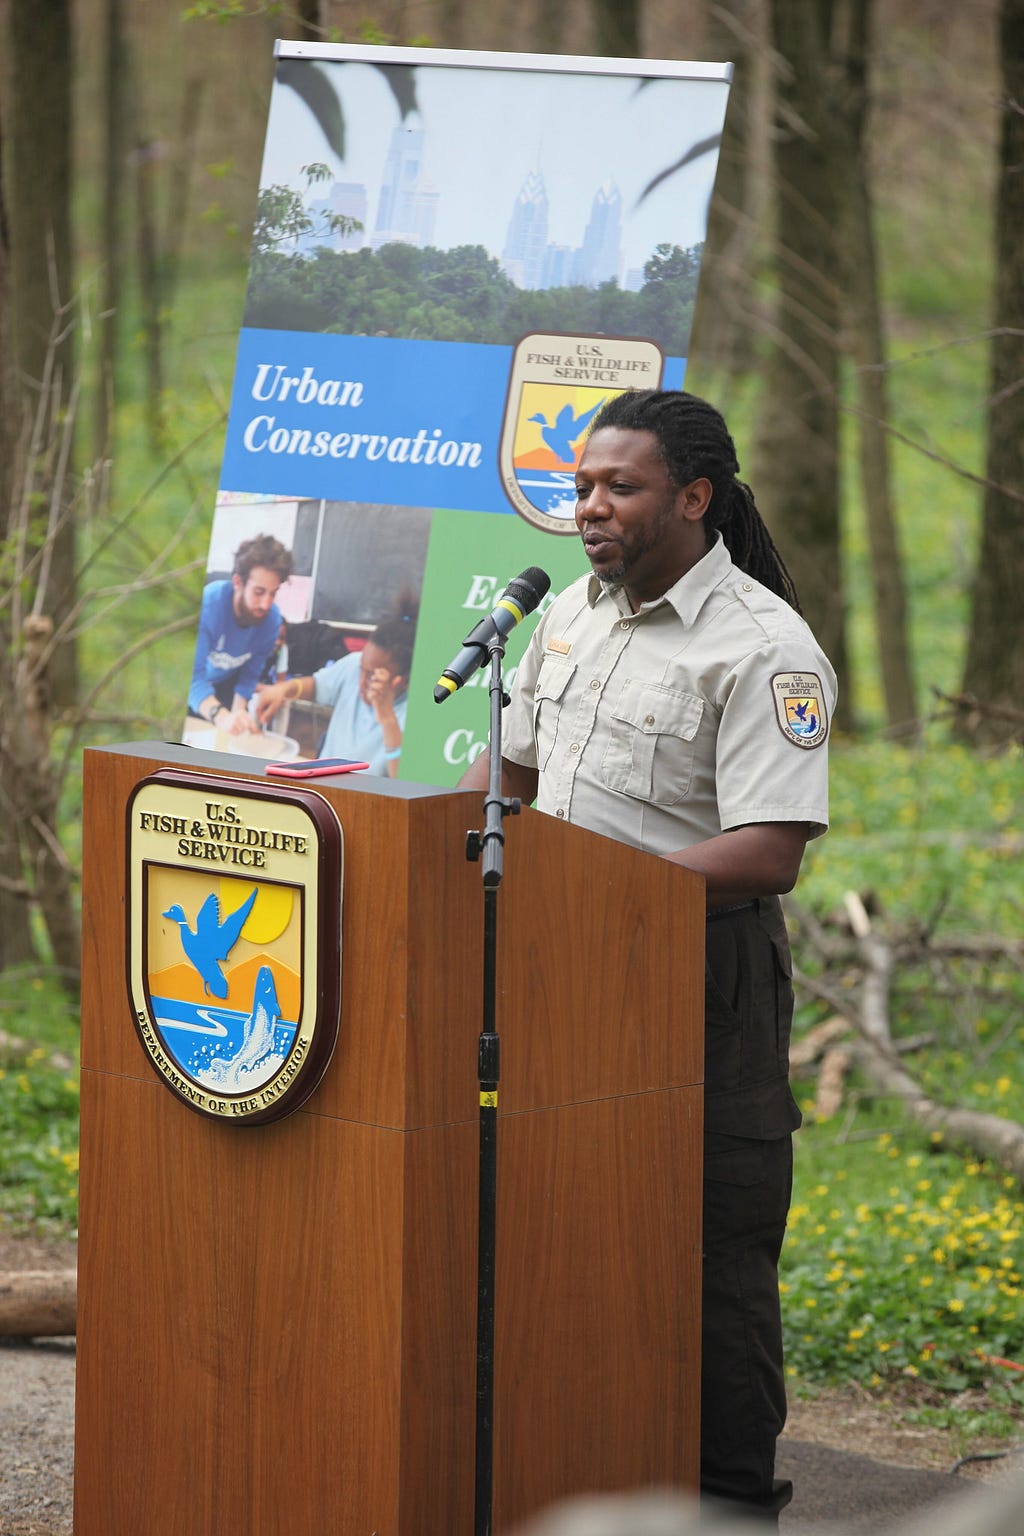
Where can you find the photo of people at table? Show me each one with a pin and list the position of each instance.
(306, 630)
(367, 691)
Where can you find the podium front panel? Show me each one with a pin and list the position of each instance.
(277, 1322)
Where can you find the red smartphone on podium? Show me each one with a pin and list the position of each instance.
(319, 767)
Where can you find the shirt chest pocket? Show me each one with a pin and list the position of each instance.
(652, 740)
(552, 680)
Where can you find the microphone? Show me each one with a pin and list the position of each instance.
(519, 598)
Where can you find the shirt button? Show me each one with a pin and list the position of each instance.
(594, 683)
(649, 720)
(748, 586)
(537, 689)
(575, 747)
(560, 815)
(623, 623)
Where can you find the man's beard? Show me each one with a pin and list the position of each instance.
(633, 549)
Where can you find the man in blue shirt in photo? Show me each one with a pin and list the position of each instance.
(239, 623)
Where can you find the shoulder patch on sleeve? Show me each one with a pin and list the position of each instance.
(800, 707)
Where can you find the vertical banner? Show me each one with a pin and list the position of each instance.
(457, 259)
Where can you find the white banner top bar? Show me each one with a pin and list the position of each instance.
(560, 63)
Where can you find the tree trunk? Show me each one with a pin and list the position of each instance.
(177, 216)
(725, 323)
(9, 403)
(549, 28)
(34, 788)
(452, 19)
(796, 454)
(311, 28)
(616, 28)
(866, 344)
(994, 671)
(115, 65)
(16, 946)
(40, 221)
(147, 239)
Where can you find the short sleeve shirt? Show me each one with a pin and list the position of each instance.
(353, 729)
(706, 710)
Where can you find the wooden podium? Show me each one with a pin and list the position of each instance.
(276, 1325)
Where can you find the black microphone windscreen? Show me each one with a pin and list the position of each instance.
(529, 588)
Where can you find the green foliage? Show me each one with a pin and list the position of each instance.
(140, 550)
(370, 32)
(931, 829)
(283, 218)
(452, 295)
(997, 1416)
(903, 1261)
(38, 1107)
(223, 11)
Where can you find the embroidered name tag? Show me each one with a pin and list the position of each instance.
(800, 707)
(563, 647)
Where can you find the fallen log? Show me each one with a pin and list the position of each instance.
(834, 1067)
(814, 1044)
(878, 1055)
(983, 1134)
(38, 1303)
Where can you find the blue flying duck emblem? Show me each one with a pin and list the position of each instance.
(212, 939)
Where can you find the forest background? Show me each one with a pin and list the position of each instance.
(860, 320)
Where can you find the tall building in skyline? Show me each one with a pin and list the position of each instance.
(531, 260)
(526, 240)
(559, 261)
(347, 198)
(600, 257)
(408, 203)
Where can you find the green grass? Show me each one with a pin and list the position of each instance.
(901, 1274)
(902, 1259)
(924, 828)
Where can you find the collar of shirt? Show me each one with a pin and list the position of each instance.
(687, 596)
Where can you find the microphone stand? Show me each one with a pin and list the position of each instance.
(491, 846)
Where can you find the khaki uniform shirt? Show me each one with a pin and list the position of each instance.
(706, 710)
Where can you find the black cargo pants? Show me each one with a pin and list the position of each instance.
(748, 1164)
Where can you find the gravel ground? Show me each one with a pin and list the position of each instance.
(852, 1459)
(37, 1411)
(37, 1418)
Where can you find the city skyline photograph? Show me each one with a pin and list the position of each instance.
(599, 171)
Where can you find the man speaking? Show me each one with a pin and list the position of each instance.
(676, 700)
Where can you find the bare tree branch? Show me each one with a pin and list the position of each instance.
(867, 1009)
